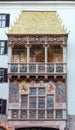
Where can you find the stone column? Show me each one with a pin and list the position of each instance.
(28, 54)
(28, 57)
(64, 54)
(46, 56)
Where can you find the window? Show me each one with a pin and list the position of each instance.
(32, 103)
(23, 114)
(3, 47)
(4, 20)
(24, 100)
(58, 113)
(3, 106)
(3, 75)
(14, 113)
(50, 101)
(41, 102)
(32, 91)
(41, 91)
(37, 104)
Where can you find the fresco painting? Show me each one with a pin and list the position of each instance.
(13, 92)
(60, 93)
(57, 89)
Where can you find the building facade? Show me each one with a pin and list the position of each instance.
(35, 48)
(37, 72)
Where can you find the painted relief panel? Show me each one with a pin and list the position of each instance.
(13, 92)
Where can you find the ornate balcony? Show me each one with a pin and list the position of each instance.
(37, 68)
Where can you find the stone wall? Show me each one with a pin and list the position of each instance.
(71, 124)
(3, 118)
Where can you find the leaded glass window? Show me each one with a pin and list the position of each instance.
(41, 91)
(23, 114)
(50, 113)
(58, 113)
(14, 113)
(32, 114)
(41, 102)
(41, 113)
(32, 91)
(37, 104)
(24, 101)
(50, 101)
(32, 102)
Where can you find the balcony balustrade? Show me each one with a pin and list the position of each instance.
(38, 114)
(37, 68)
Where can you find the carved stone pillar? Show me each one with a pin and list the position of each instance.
(28, 54)
(46, 53)
(64, 54)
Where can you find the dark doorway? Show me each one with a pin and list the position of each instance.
(36, 128)
(1, 128)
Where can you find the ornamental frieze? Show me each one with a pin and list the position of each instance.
(55, 39)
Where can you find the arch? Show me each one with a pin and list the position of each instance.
(4, 126)
(36, 128)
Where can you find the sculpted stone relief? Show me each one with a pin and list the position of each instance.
(37, 39)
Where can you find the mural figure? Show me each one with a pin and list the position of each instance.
(60, 93)
(13, 93)
(50, 88)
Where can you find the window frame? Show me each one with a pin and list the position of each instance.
(6, 20)
(36, 113)
(4, 47)
(2, 20)
(3, 105)
(5, 76)
(1, 69)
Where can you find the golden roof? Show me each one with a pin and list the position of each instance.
(38, 23)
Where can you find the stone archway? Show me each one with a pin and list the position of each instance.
(4, 126)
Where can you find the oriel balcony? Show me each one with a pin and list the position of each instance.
(37, 59)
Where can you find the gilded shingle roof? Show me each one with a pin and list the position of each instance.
(38, 23)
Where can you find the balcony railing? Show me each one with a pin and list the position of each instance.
(38, 114)
(38, 68)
